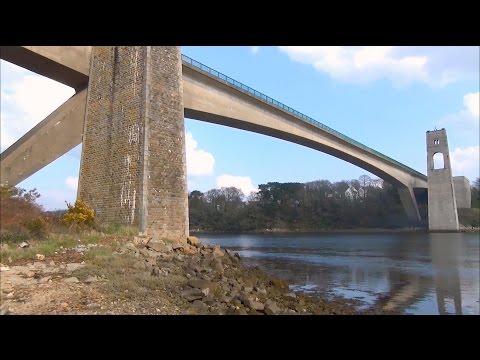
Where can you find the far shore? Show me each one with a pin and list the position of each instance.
(329, 231)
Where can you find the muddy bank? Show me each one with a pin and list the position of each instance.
(151, 277)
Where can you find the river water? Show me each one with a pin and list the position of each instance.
(409, 273)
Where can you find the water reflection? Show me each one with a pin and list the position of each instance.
(446, 252)
(404, 273)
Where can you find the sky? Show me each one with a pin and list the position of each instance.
(385, 97)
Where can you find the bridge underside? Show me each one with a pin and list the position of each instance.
(205, 98)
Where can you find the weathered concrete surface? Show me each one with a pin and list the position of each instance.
(442, 207)
(58, 133)
(463, 193)
(133, 167)
(69, 65)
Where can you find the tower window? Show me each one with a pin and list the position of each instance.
(436, 142)
(438, 161)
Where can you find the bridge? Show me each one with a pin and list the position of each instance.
(128, 110)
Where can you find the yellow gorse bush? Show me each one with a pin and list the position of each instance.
(79, 214)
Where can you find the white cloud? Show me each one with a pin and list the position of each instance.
(26, 100)
(199, 162)
(254, 49)
(465, 118)
(436, 66)
(472, 103)
(243, 183)
(465, 162)
(72, 182)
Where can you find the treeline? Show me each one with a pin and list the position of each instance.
(317, 205)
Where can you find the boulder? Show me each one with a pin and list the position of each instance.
(157, 245)
(217, 252)
(202, 284)
(271, 308)
(192, 240)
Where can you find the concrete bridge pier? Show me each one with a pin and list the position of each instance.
(409, 202)
(133, 166)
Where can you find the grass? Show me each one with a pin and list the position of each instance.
(45, 247)
(469, 217)
(120, 230)
(127, 276)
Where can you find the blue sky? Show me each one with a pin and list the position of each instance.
(384, 97)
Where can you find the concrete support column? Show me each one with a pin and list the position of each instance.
(409, 202)
(442, 206)
(133, 167)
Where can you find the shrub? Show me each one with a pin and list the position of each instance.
(20, 214)
(37, 227)
(79, 215)
(8, 236)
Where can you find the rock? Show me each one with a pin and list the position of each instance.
(10, 295)
(40, 257)
(209, 300)
(254, 305)
(149, 253)
(7, 288)
(141, 240)
(5, 311)
(195, 293)
(217, 252)
(90, 279)
(278, 283)
(73, 266)
(190, 250)
(24, 245)
(44, 280)
(64, 305)
(247, 289)
(92, 306)
(216, 265)
(52, 263)
(29, 274)
(202, 284)
(157, 245)
(260, 290)
(290, 295)
(226, 299)
(271, 308)
(71, 280)
(192, 240)
(240, 311)
(155, 271)
(199, 305)
(4, 268)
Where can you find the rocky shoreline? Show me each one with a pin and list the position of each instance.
(152, 277)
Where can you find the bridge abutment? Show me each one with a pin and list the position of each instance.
(133, 167)
(442, 207)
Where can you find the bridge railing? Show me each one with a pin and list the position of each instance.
(242, 87)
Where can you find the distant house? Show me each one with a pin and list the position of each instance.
(352, 193)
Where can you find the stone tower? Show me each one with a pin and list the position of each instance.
(442, 207)
(133, 166)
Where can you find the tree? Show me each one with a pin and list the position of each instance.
(365, 181)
